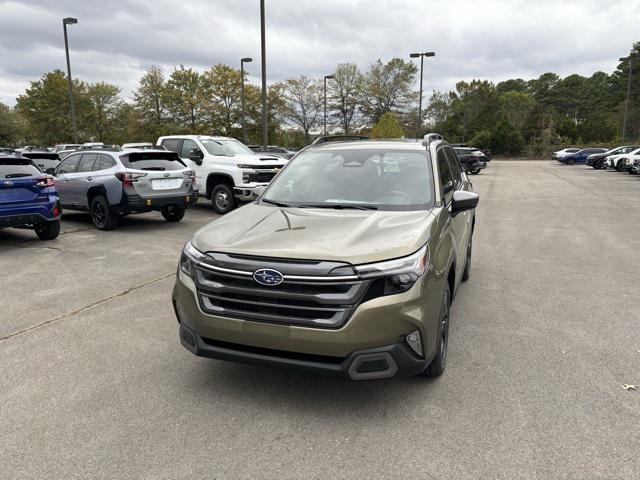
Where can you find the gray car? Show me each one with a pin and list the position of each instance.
(113, 184)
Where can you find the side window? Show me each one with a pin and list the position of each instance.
(446, 177)
(171, 144)
(69, 164)
(454, 165)
(104, 162)
(187, 146)
(86, 164)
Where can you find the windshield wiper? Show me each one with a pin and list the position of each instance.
(338, 206)
(277, 204)
(17, 175)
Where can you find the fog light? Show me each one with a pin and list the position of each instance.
(148, 202)
(415, 342)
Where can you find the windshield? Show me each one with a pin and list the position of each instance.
(226, 147)
(357, 178)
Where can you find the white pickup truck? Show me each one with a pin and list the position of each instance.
(227, 171)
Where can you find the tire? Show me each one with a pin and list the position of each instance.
(439, 362)
(571, 161)
(101, 215)
(475, 171)
(174, 215)
(467, 266)
(48, 230)
(222, 199)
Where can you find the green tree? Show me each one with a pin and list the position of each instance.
(506, 139)
(516, 107)
(46, 109)
(387, 127)
(100, 117)
(149, 102)
(482, 139)
(301, 102)
(183, 99)
(388, 87)
(9, 126)
(222, 107)
(345, 92)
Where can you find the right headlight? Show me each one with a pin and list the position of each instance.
(188, 257)
(399, 274)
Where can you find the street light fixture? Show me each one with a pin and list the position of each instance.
(244, 126)
(421, 55)
(70, 21)
(326, 77)
(626, 103)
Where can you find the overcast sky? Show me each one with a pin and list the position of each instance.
(116, 40)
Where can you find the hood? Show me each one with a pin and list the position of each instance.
(351, 236)
(259, 159)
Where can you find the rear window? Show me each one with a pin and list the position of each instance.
(16, 168)
(159, 161)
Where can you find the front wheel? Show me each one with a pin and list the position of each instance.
(174, 215)
(222, 199)
(437, 365)
(48, 230)
(475, 171)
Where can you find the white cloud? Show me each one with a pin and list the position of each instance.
(115, 41)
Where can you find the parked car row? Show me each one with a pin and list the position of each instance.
(625, 158)
(110, 182)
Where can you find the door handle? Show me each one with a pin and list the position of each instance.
(89, 179)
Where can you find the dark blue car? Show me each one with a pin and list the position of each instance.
(581, 156)
(28, 197)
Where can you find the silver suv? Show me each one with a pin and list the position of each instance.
(113, 184)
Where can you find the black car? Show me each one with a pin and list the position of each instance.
(597, 160)
(472, 159)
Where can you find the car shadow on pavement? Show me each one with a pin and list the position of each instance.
(254, 386)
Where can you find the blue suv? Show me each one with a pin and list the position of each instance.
(581, 156)
(28, 198)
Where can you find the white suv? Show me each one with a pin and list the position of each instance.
(227, 171)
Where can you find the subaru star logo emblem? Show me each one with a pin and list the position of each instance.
(8, 183)
(166, 175)
(266, 276)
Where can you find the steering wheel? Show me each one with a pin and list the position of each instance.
(396, 193)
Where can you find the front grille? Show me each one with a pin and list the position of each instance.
(315, 303)
(261, 177)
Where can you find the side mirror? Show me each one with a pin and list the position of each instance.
(463, 200)
(50, 171)
(196, 155)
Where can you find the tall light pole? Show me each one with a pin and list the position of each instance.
(264, 77)
(326, 77)
(626, 103)
(421, 55)
(244, 120)
(65, 22)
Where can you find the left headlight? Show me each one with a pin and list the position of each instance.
(399, 274)
(188, 257)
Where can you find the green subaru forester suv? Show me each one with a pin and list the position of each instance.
(346, 264)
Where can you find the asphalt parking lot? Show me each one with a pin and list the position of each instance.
(95, 384)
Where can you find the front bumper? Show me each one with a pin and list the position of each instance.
(247, 193)
(376, 326)
(370, 364)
